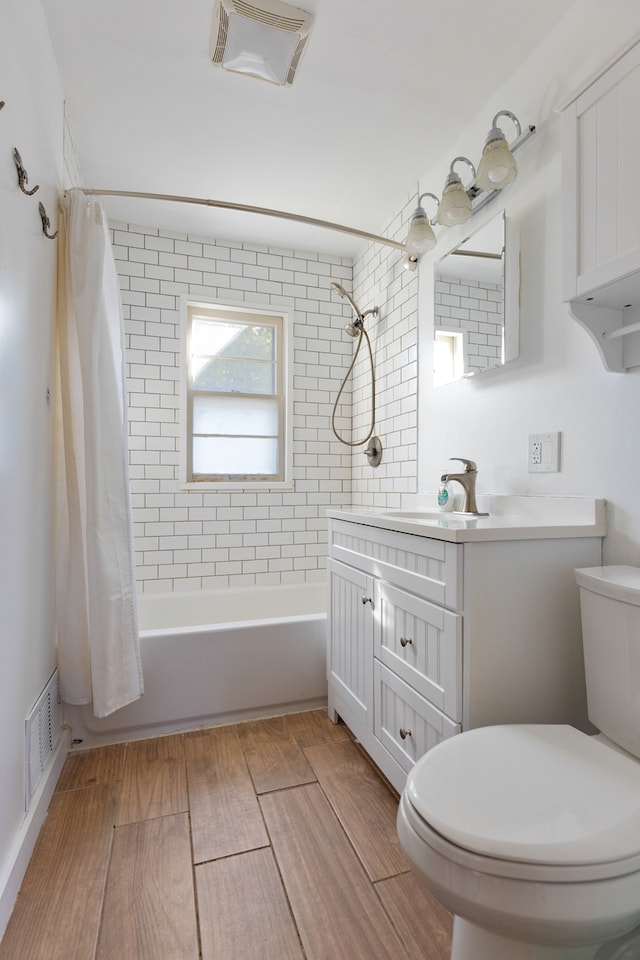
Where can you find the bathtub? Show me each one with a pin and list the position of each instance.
(218, 656)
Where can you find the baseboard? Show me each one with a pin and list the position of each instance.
(14, 868)
(81, 720)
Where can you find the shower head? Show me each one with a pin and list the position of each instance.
(354, 329)
(340, 290)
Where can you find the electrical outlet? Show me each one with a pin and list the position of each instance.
(544, 452)
(535, 451)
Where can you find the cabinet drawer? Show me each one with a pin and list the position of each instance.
(405, 723)
(430, 568)
(422, 643)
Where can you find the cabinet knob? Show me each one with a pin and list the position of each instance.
(405, 640)
(367, 600)
(404, 733)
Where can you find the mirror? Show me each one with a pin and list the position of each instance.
(476, 303)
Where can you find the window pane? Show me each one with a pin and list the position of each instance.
(229, 374)
(223, 338)
(235, 415)
(212, 336)
(235, 455)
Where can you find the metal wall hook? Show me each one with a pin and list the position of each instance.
(22, 174)
(46, 223)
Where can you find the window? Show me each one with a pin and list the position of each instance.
(234, 398)
(448, 361)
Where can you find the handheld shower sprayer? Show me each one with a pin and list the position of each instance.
(356, 329)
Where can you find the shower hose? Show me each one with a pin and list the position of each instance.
(357, 443)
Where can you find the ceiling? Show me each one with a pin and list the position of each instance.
(382, 90)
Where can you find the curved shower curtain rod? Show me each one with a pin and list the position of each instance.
(246, 208)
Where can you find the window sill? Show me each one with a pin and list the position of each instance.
(212, 486)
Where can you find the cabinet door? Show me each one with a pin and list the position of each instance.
(601, 189)
(350, 646)
(406, 724)
(422, 643)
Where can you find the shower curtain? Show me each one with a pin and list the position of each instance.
(96, 615)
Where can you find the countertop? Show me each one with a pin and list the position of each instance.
(510, 518)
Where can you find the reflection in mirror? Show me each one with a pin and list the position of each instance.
(475, 311)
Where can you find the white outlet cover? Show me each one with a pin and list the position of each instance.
(544, 452)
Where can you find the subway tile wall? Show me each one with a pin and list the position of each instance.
(474, 307)
(190, 540)
(380, 279)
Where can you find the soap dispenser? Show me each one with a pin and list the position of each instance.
(445, 497)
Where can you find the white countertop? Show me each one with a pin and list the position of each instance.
(510, 518)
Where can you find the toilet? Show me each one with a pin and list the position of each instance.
(530, 833)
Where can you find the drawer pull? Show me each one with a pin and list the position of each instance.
(404, 733)
(405, 640)
(367, 600)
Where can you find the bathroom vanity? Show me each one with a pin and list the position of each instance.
(439, 623)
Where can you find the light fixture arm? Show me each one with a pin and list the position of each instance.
(420, 211)
(453, 176)
(511, 116)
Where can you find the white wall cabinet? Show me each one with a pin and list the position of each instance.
(428, 638)
(601, 196)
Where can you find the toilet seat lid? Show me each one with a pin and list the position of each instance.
(535, 793)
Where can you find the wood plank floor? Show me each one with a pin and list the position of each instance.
(268, 840)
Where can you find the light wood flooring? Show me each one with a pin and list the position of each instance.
(268, 840)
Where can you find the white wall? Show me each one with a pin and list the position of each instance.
(32, 122)
(558, 382)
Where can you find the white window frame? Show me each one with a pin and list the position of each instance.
(223, 308)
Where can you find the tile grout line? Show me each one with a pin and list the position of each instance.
(194, 885)
(282, 883)
(107, 871)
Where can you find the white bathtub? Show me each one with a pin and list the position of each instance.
(218, 656)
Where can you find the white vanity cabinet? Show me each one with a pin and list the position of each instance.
(394, 655)
(601, 197)
(429, 637)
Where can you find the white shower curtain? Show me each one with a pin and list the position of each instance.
(96, 615)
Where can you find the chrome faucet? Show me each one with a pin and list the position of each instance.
(468, 481)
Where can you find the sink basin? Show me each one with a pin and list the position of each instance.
(416, 514)
(433, 514)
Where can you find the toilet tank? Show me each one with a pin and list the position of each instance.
(610, 608)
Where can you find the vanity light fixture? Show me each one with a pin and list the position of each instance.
(496, 169)
(455, 206)
(263, 39)
(497, 165)
(421, 237)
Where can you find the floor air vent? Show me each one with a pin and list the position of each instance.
(42, 731)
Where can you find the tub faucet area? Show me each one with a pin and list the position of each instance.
(467, 479)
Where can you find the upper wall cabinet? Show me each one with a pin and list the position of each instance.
(601, 191)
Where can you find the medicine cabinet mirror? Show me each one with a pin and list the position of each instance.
(476, 313)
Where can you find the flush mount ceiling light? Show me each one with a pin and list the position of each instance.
(264, 39)
(496, 169)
